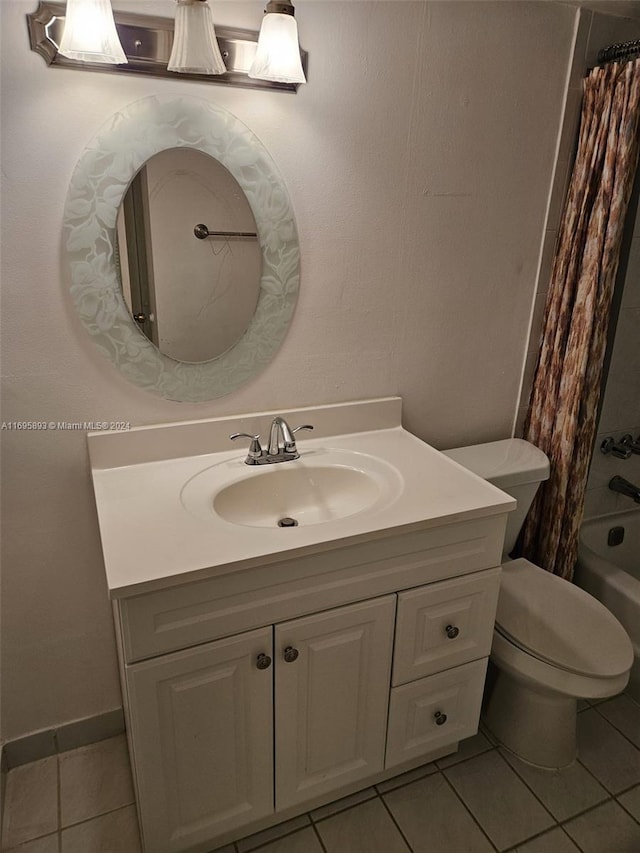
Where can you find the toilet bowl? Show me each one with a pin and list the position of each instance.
(553, 643)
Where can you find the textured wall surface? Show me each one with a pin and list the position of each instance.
(419, 159)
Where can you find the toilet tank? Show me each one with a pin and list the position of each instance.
(513, 465)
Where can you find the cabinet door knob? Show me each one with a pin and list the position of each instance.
(263, 661)
(452, 631)
(290, 654)
(440, 718)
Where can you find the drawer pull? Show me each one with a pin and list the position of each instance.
(263, 661)
(290, 654)
(452, 631)
(440, 718)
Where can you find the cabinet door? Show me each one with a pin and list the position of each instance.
(202, 732)
(332, 698)
(434, 712)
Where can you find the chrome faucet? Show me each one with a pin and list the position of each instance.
(282, 444)
(281, 438)
(624, 487)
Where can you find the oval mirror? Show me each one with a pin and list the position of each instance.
(243, 300)
(190, 261)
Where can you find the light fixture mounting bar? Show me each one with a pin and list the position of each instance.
(147, 42)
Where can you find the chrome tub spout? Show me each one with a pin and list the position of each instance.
(624, 487)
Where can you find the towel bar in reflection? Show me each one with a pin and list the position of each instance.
(202, 232)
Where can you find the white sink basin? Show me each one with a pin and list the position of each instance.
(177, 502)
(321, 486)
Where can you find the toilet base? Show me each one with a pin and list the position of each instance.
(537, 725)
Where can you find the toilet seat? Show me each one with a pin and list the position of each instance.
(555, 622)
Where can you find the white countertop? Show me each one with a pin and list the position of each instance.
(150, 540)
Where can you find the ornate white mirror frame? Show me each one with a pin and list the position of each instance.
(97, 188)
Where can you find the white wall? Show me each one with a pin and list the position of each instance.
(418, 157)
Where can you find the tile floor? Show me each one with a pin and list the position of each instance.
(481, 799)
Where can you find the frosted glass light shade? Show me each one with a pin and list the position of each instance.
(90, 33)
(278, 53)
(195, 47)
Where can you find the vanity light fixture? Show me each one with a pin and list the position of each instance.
(278, 55)
(90, 33)
(148, 40)
(195, 47)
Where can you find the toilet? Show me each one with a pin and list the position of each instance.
(553, 643)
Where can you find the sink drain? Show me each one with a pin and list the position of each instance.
(287, 522)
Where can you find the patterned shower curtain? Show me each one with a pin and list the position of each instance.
(564, 399)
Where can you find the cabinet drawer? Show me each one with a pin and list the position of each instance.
(433, 712)
(444, 624)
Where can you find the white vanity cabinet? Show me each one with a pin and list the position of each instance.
(236, 731)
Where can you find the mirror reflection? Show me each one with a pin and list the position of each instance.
(192, 293)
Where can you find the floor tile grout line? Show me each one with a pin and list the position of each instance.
(262, 845)
(626, 790)
(610, 799)
(613, 725)
(602, 784)
(517, 846)
(463, 760)
(586, 811)
(403, 785)
(530, 789)
(98, 816)
(433, 772)
(340, 811)
(558, 820)
(468, 810)
(59, 802)
(317, 834)
(278, 837)
(573, 840)
(622, 806)
(56, 831)
(391, 815)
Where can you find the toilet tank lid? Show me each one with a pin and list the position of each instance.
(505, 463)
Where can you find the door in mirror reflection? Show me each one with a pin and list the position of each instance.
(193, 298)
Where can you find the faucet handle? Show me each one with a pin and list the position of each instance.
(289, 447)
(304, 426)
(255, 449)
(628, 442)
(619, 450)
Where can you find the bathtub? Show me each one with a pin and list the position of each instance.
(611, 573)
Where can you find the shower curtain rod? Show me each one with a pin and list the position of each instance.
(620, 52)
